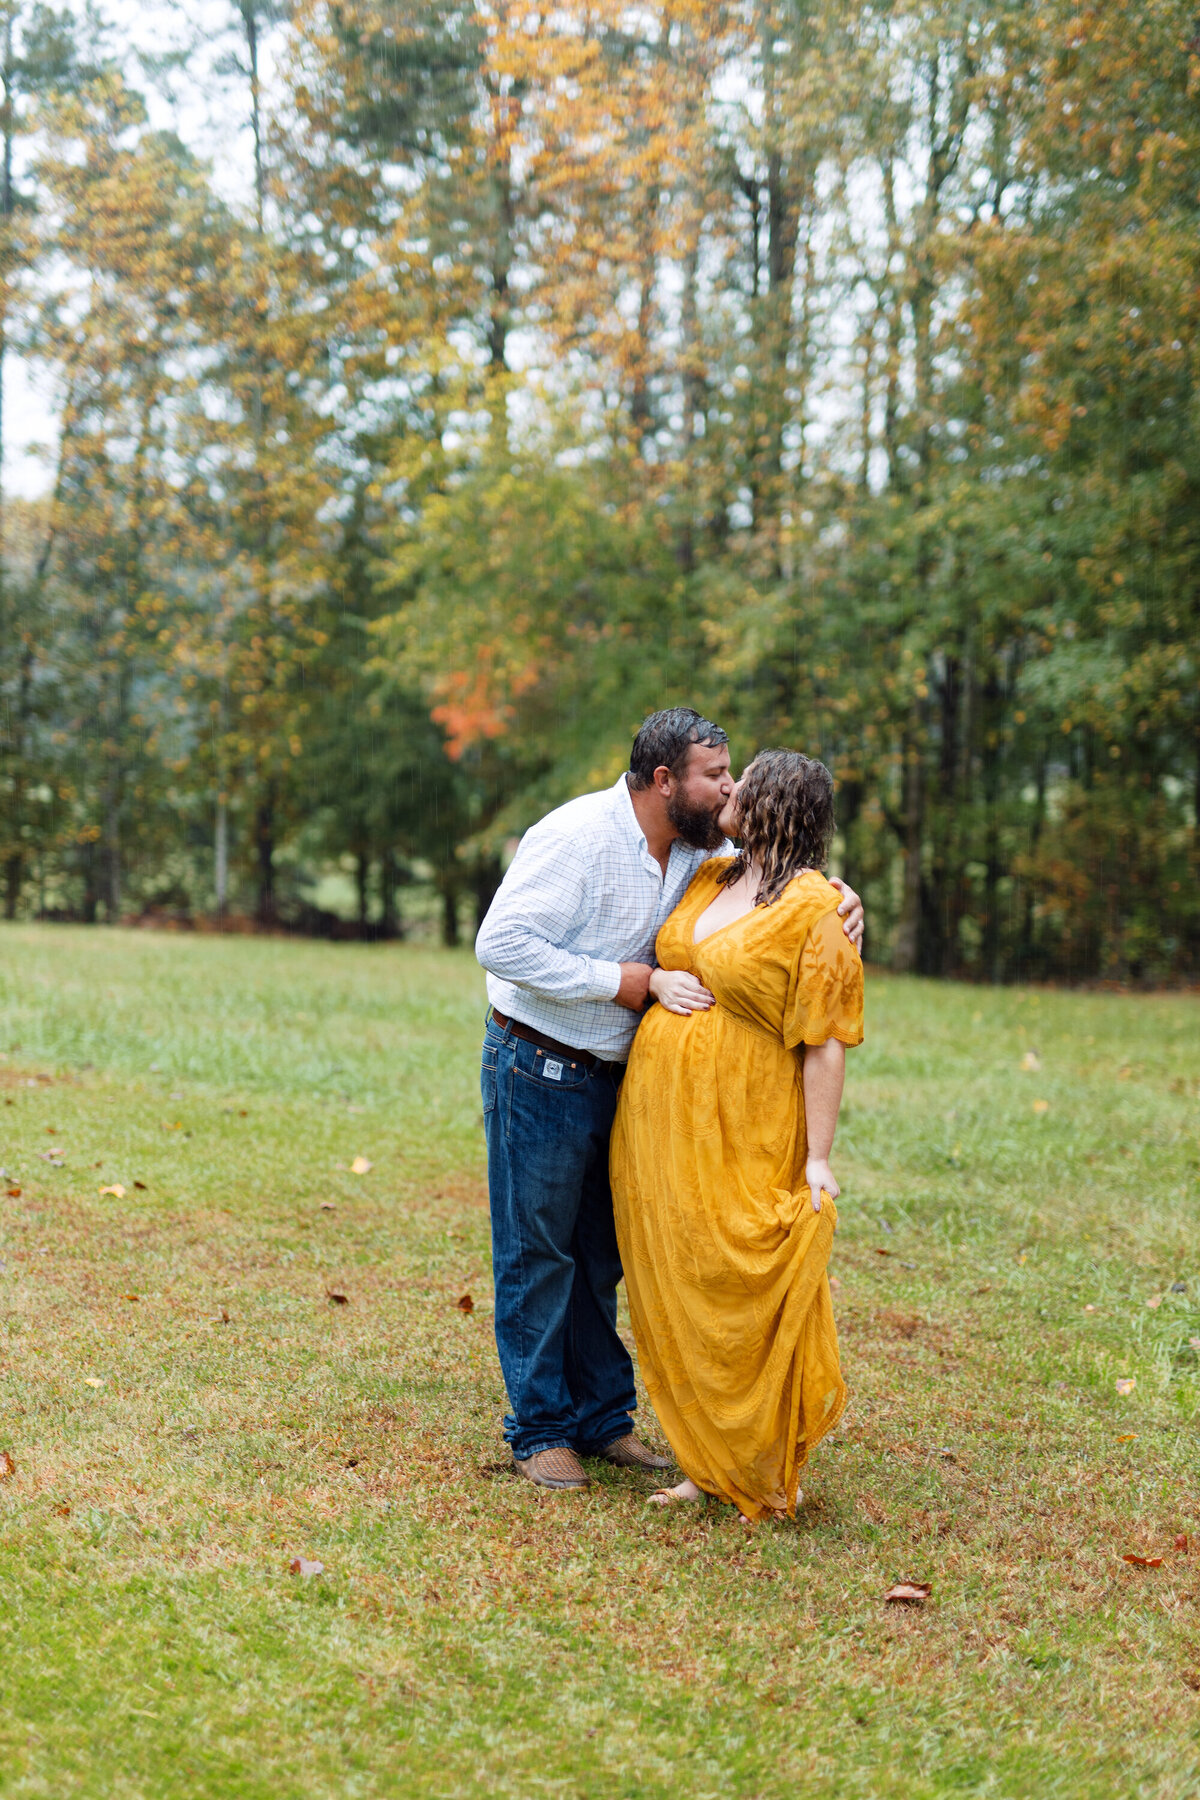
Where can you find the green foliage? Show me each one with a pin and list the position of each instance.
(554, 375)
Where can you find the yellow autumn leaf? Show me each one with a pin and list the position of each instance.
(1041, 1106)
(361, 1166)
(116, 1190)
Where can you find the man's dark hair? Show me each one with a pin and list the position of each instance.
(664, 741)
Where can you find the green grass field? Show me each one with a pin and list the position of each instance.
(187, 1409)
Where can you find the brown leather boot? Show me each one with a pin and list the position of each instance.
(629, 1452)
(555, 1468)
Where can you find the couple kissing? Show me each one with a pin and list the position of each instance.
(662, 1070)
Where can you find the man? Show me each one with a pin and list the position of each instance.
(568, 944)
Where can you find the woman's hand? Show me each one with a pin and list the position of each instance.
(819, 1175)
(680, 992)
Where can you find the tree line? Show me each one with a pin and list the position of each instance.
(828, 364)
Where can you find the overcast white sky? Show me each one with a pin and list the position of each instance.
(210, 113)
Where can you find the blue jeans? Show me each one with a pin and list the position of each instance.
(554, 1246)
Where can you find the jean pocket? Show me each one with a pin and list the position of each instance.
(554, 1074)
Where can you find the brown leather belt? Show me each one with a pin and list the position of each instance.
(588, 1058)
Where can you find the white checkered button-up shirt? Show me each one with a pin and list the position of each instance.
(582, 895)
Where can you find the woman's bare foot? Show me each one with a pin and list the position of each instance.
(687, 1490)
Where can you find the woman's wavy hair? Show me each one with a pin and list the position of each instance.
(784, 820)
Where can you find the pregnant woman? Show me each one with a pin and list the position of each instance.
(722, 1188)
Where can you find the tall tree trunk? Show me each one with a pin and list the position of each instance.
(940, 953)
(7, 126)
(1028, 947)
(894, 337)
(692, 369)
(485, 880)
(250, 23)
(991, 698)
(499, 300)
(91, 883)
(362, 882)
(14, 876)
(906, 954)
(222, 855)
(264, 836)
(641, 412)
(112, 847)
(389, 889)
(449, 887)
(14, 868)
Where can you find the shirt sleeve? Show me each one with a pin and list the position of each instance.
(543, 902)
(825, 997)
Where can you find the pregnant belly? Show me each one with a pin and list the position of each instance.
(713, 1074)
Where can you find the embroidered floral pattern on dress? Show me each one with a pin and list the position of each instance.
(725, 1261)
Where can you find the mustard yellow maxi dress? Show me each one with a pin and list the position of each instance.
(724, 1258)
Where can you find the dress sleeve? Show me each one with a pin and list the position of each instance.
(825, 997)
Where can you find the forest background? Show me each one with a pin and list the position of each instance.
(830, 366)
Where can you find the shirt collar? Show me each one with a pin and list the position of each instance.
(620, 787)
(629, 819)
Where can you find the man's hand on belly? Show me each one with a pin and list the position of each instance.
(634, 990)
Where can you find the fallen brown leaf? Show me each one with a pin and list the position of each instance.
(1127, 1437)
(14, 1193)
(300, 1565)
(1154, 1300)
(62, 1510)
(1142, 1562)
(131, 1296)
(911, 1593)
(337, 1299)
(140, 1184)
(1181, 1540)
(466, 1304)
(8, 1466)
(885, 1252)
(328, 1206)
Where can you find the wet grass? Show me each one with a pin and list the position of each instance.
(188, 1409)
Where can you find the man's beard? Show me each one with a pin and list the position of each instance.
(696, 825)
